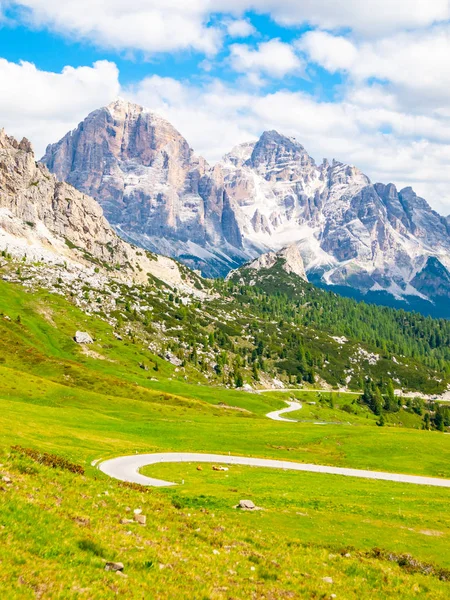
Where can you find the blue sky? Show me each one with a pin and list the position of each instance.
(51, 51)
(367, 83)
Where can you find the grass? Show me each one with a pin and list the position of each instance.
(340, 511)
(58, 527)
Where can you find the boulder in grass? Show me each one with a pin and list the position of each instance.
(114, 566)
(81, 337)
(247, 505)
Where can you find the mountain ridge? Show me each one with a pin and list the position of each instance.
(262, 196)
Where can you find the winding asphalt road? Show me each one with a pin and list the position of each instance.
(271, 390)
(126, 468)
(276, 414)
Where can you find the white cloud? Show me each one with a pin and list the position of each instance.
(334, 53)
(414, 65)
(43, 106)
(144, 25)
(240, 28)
(370, 17)
(274, 58)
(385, 141)
(160, 26)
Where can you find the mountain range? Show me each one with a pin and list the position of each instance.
(367, 239)
(264, 324)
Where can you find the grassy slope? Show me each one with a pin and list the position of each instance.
(54, 398)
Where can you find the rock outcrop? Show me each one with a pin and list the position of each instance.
(434, 279)
(289, 258)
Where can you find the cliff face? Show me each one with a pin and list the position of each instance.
(263, 196)
(31, 194)
(151, 185)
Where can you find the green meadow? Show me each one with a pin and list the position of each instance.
(318, 536)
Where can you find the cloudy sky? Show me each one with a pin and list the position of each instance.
(364, 82)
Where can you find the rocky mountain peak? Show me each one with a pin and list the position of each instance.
(240, 154)
(274, 154)
(7, 141)
(289, 258)
(120, 105)
(149, 182)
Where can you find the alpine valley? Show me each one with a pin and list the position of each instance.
(362, 239)
(110, 352)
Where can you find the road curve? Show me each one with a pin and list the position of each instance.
(270, 390)
(126, 468)
(292, 406)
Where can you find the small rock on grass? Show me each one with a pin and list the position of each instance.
(82, 337)
(6, 479)
(247, 505)
(327, 579)
(114, 566)
(141, 519)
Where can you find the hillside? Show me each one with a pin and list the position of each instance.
(282, 330)
(396, 338)
(65, 405)
(137, 354)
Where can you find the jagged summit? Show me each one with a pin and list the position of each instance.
(11, 142)
(263, 196)
(120, 107)
(289, 258)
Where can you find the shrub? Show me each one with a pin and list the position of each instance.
(88, 545)
(49, 460)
